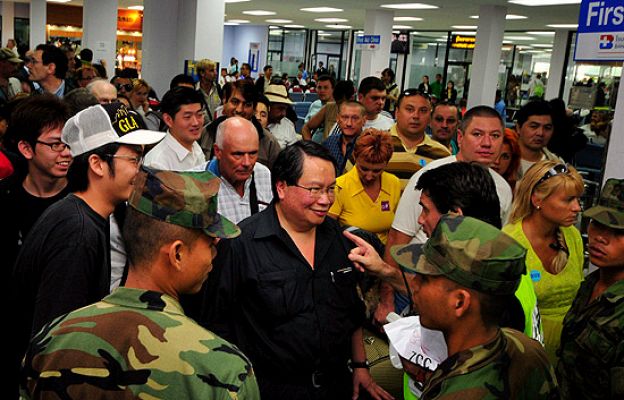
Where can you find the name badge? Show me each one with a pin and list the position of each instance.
(536, 276)
(385, 206)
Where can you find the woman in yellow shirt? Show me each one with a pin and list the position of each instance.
(367, 196)
(543, 214)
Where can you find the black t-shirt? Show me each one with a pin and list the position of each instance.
(20, 210)
(64, 264)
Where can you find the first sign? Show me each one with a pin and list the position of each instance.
(600, 35)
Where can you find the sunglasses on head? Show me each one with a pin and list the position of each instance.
(556, 170)
(414, 92)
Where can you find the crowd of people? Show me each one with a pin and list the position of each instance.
(199, 246)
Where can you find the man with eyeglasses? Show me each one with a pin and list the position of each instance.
(413, 149)
(285, 292)
(535, 127)
(64, 262)
(85, 75)
(480, 139)
(240, 100)
(182, 111)
(444, 122)
(48, 67)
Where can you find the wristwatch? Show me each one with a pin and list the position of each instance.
(358, 364)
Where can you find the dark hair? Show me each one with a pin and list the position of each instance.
(144, 235)
(390, 73)
(34, 114)
(288, 167)
(100, 70)
(175, 98)
(246, 65)
(244, 87)
(78, 174)
(79, 99)
(446, 103)
(534, 107)
(328, 78)
(344, 90)
(263, 99)
(86, 55)
(266, 68)
(463, 185)
(181, 78)
(371, 83)
(480, 111)
(52, 54)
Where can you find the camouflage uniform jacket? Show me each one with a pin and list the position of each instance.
(512, 366)
(591, 356)
(134, 344)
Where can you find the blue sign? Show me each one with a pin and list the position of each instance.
(600, 35)
(368, 39)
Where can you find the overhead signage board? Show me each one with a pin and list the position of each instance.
(600, 35)
(368, 42)
(463, 42)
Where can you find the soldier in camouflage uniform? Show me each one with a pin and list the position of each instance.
(591, 355)
(463, 276)
(137, 342)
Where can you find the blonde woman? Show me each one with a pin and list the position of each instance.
(544, 210)
(140, 104)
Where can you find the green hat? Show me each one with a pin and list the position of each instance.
(469, 252)
(188, 199)
(610, 208)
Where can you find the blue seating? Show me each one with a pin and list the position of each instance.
(299, 124)
(301, 108)
(296, 97)
(311, 97)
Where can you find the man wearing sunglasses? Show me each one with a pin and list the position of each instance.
(64, 262)
(123, 85)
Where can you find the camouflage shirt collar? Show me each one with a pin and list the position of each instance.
(613, 294)
(145, 300)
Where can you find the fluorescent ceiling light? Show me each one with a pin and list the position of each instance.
(279, 21)
(543, 45)
(140, 8)
(401, 27)
(324, 34)
(321, 9)
(465, 33)
(541, 33)
(259, 12)
(231, 24)
(396, 32)
(331, 20)
(409, 6)
(441, 40)
(464, 26)
(406, 19)
(58, 1)
(536, 3)
(336, 26)
(294, 26)
(235, 1)
(238, 21)
(519, 38)
(571, 26)
(508, 16)
(414, 33)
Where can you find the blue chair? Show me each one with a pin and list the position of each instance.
(296, 97)
(311, 97)
(299, 124)
(302, 108)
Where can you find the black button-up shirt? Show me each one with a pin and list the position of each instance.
(288, 318)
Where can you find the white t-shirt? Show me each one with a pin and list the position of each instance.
(382, 123)
(409, 209)
(284, 132)
(170, 155)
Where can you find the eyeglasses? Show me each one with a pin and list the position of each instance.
(317, 192)
(414, 92)
(126, 87)
(136, 160)
(56, 146)
(556, 170)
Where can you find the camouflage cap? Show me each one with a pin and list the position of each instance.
(610, 208)
(469, 252)
(188, 199)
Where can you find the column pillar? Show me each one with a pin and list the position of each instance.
(374, 61)
(38, 19)
(486, 57)
(557, 60)
(8, 21)
(99, 31)
(615, 152)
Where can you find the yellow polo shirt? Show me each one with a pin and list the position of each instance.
(354, 207)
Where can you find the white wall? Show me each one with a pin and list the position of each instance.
(236, 44)
(22, 10)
